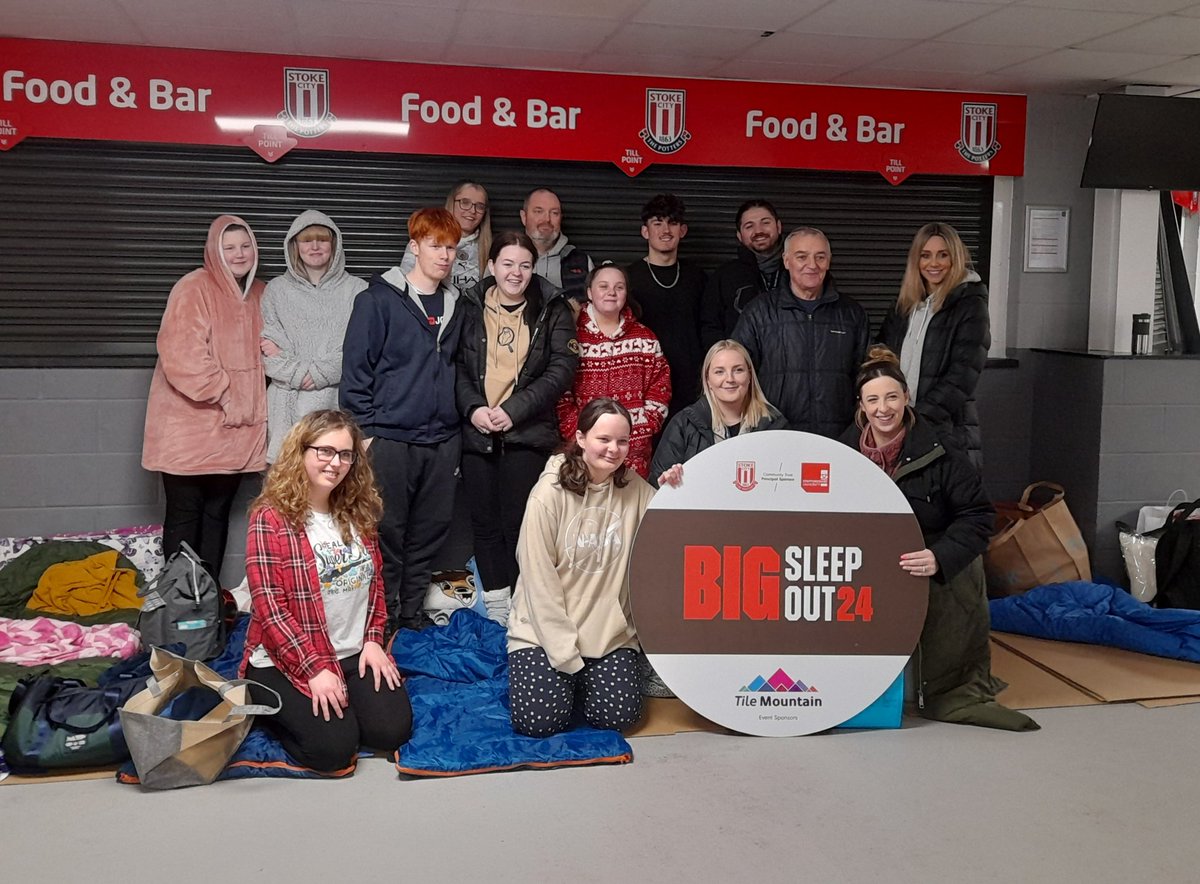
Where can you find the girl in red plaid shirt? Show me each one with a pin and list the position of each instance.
(316, 592)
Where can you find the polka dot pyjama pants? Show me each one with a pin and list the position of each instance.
(541, 699)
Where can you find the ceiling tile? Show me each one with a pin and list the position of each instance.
(843, 52)
(533, 32)
(1027, 83)
(651, 63)
(1189, 10)
(607, 9)
(762, 15)
(224, 40)
(377, 21)
(1177, 73)
(916, 19)
(1149, 7)
(966, 58)
(683, 40)
(1176, 34)
(778, 72)
(1080, 64)
(1053, 29)
(491, 56)
(896, 79)
(98, 9)
(80, 27)
(372, 48)
(257, 18)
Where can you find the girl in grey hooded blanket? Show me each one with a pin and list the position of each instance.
(305, 313)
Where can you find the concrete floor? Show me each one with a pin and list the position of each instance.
(1099, 794)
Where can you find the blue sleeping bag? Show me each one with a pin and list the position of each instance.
(457, 680)
(1099, 614)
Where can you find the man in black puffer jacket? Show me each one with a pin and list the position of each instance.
(807, 341)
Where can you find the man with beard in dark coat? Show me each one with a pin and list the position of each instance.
(756, 269)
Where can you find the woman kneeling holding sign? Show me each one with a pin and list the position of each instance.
(570, 630)
(954, 679)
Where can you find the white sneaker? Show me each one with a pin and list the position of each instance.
(498, 603)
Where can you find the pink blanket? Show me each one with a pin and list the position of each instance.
(42, 640)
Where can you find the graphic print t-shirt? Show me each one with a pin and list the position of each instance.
(345, 573)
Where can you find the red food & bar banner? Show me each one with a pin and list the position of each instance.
(275, 103)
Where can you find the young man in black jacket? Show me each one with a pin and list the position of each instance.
(398, 379)
(668, 293)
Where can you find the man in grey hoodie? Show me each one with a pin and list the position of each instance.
(558, 261)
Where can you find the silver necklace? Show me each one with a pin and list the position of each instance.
(657, 281)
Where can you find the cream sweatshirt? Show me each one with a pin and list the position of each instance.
(572, 596)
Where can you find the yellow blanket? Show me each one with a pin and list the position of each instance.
(88, 586)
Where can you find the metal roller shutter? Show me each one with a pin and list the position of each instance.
(95, 234)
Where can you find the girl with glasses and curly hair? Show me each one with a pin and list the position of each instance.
(316, 590)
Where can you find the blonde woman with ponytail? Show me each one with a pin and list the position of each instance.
(954, 679)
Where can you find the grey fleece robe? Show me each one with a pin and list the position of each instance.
(308, 322)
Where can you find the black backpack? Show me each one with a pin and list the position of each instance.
(183, 604)
(1177, 559)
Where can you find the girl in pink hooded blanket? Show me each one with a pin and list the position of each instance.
(206, 418)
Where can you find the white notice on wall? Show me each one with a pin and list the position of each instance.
(1046, 231)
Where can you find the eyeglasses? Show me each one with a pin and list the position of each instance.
(467, 205)
(325, 454)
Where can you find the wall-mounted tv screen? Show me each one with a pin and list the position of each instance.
(1144, 142)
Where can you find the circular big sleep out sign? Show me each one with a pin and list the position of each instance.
(766, 589)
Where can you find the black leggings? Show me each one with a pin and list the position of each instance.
(197, 512)
(379, 719)
(541, 699)
(498, 486)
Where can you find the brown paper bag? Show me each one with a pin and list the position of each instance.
(1035, 545)
(169, 753)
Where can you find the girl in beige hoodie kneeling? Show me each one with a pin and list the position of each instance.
(570, 633)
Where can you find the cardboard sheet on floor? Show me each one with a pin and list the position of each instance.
(1032, 687)
(1112, 674)
(665, 715)
(101, 773)
(1168, 701)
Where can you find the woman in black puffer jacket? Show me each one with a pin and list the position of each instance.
(517, 355)
(732, 403)
(954, 678)
(939, 326)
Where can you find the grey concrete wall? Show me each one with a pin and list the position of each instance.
(1067, 397)
(1149, 445)
(71, 457)
(1051, 309)
(1004, 397)
(71, 460)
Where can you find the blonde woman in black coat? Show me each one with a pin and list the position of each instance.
(940, 328)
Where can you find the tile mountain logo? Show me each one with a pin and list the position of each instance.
(778, 690)
(779, 683)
